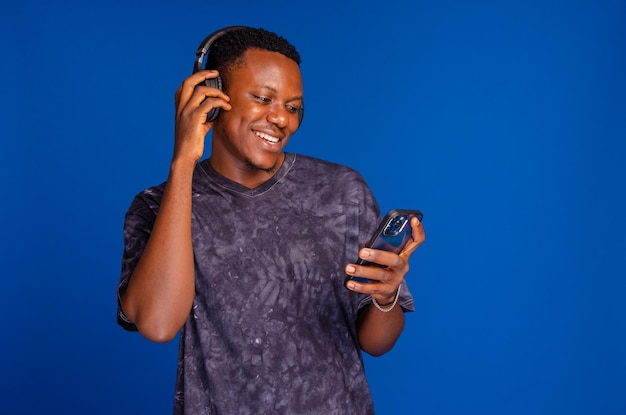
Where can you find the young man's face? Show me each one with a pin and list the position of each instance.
(265, 92)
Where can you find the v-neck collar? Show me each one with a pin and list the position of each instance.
(206, 168)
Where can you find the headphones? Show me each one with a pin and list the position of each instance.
(203, 51)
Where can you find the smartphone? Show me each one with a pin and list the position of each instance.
(392, 234)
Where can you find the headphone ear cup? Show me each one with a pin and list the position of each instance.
(201, 53)
(213, 83)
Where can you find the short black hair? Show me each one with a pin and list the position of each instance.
(228, 49)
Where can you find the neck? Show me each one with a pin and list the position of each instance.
(246, 174)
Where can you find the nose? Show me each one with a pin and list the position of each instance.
(278, 115)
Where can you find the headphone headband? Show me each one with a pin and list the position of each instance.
(205, 45)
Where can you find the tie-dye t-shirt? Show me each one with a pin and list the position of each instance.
(272, 329)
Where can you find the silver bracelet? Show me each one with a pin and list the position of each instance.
(389, 307)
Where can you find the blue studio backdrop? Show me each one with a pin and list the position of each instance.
(504, 122)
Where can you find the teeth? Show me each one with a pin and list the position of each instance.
(267, 137)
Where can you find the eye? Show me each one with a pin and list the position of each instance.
(262, 99)
(292, 108)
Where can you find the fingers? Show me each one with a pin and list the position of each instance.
(383, 283)
(384, 292)
(391, 269)
(383, 258)
(385, 279)
(418, 236)
(186, 89)
(374, 274)
(193, 102)
(193, 94)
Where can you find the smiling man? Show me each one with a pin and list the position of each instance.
(245, 253)
(265, 91)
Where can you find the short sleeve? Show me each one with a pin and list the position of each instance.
(138, 224)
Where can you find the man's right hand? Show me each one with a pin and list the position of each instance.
(193, 102)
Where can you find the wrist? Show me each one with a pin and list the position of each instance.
(385, 308)
(384, 301)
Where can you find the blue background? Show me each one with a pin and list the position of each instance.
(504, 122)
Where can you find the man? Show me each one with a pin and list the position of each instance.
(246, 252)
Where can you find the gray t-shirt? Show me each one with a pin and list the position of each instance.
(272, 329)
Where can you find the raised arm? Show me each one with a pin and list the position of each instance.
(160, 292)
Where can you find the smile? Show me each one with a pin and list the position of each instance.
(269, 138)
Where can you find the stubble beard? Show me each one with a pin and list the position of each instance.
(252, 166)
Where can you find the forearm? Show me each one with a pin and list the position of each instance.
(378, 331)
(160, 292)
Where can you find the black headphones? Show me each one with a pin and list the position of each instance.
(203, 51)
